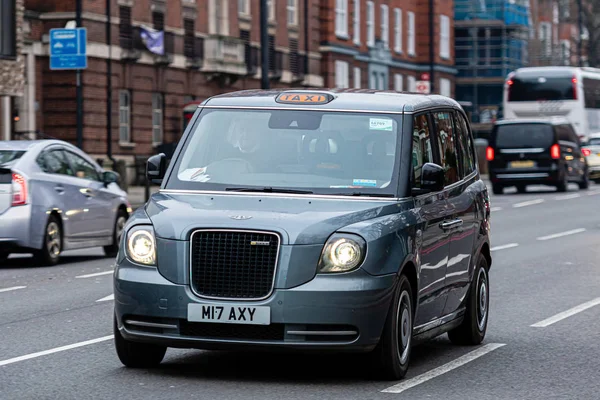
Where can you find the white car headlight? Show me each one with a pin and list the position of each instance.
(141, 245)
(342, 253)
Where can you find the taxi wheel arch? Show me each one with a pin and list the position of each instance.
(137, 355)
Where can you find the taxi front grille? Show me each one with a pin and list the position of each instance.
(233, 264)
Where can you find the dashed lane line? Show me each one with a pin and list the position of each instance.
(95, 274)
(54, 350)
(567, 197)
(566, 314)
(434, 373)
(494, 209)
(505, 246)
(10, 289)
(528, 203)
(562, 234)
(107, 298)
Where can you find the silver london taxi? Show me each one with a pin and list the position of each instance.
(349, 220)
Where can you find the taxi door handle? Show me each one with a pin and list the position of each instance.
(451, 224)
(86, 192)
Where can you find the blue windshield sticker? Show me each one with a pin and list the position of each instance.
(364, 182)
(381, 124)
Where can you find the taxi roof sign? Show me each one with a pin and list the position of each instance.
(304, 98)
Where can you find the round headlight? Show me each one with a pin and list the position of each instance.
(141, 248)
(341, 254)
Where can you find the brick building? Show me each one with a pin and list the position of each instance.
(12, 62)
(386, 44)
(210, 47)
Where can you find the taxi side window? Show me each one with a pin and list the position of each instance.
(53, 162)
(447, 145)
(422, 149)
(84, 169)
(465, 144)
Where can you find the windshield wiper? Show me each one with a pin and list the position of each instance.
(268, 189)
(364, 194)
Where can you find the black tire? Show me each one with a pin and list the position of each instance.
(137, 355)
(474, 326)
(585, 182)
(563, 185)
(521, 188)
(597, 181)
(391, 357)
(49, 254)
(4, 257)
(113, 249)
(497, 189)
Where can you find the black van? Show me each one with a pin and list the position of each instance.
(525, 152)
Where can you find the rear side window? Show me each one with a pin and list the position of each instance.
(465, 144)
(422, 151)
(524, 136)
(446, 143)
(593, 142)
(53, 162)
(9, 157)
(83, 169)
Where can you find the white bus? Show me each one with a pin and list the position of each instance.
(570, 92)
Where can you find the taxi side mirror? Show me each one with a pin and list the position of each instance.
(432, 179)
(156, 166)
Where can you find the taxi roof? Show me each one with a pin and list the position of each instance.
(343, 100)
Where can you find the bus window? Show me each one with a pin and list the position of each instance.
(545, 88)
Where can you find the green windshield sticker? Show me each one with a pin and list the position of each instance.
(381, 124)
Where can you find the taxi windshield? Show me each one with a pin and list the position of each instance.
(317, 152)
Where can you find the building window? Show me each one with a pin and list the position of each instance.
(412, 84)
(341, 18)
(218, 17)
(244, 7)
(8, 31)
(341, 74)
(157, 118)
(357, 21)
(271, 53)
(189, 37)
(292, 12)
(357, 78)
(125, 28)
(271, 9)
(294, 58)
(398, 82)
(125, 116)
(398, 30)
(444, 36)
(546, 39)
(445, 87)
(158, 20)
(370, 24)
(565, 47)
(411, 33)
(385, 25)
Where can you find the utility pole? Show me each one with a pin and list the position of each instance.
(431, 46)
(264, 44)
(109, 86)
(79, 91)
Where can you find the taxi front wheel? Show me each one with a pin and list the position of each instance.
(137, 355)
(473, 328)
(392, 355)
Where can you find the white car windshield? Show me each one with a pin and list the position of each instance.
(325, 152)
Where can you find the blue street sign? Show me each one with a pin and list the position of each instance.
(68, 48)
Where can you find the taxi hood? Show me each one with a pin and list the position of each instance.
(299, 220)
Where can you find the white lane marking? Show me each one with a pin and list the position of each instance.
(561, 234)
(594, 193)
(434, 373)
(505, 246)
(528, 203)
(567, 314)
(96, 274)
(8, 289)
(107, 298)
(494, 209)
(568, 196)
(54, 350)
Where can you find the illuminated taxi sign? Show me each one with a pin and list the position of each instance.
(304, 98)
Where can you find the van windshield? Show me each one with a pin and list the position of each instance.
(519, 136)
(313, 151)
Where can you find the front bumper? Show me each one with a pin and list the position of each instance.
(351, 308)
(15, 225)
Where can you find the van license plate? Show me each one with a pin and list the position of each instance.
(229, 314)
(522, 164)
